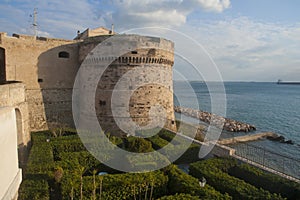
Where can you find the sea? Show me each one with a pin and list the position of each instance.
(266, 105)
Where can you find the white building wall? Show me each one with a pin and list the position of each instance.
(10, 173)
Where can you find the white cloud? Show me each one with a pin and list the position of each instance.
(214, 5)
(165, 13)
(250, 50)
(64, 18)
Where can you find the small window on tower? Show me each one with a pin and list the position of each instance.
(63, 54)
(102, 103)
(134, 52)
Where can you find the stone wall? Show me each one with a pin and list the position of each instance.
(47, 67)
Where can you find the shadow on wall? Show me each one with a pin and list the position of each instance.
(23, 149)
(57, 69)
(2, 66)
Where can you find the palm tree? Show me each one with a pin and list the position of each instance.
(100, 187)
(94, 183)
(146, 184)
(152, 186)
(81, 172)
(134, 192)
(72, 190)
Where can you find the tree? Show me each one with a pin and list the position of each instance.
(100, 186)
(81, 171)
(58, 174)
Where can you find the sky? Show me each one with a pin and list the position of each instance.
(248, 40)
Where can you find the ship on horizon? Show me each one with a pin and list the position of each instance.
(288, 82)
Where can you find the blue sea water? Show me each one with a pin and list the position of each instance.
(268, 106)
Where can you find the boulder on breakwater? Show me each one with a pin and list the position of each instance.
(215, 120)
(281, 139)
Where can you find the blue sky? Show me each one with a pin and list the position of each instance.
(249, 40)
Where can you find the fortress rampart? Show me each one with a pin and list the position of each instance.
(48, 67)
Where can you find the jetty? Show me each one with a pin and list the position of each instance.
(248, 138)
(215, 120)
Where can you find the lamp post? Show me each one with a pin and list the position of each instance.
(202, 182)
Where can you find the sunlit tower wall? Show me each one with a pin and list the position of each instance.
(155, 66)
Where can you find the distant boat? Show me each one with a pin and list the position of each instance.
(287, 83)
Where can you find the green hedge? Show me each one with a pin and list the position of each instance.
(179, 197)
(66, 146)
(34, 190)
(39, 170)
(267, 181)
(118, 186)
(70, 160)
(38, 137)
(212, 170)
(158, 142)
(168, 136)
(190, 155)
(138, 145)
(40, 159)
(179, 182)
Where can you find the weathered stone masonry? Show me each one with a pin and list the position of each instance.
(48, 68)
(151, 61)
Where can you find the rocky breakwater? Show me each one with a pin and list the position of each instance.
(215, 120)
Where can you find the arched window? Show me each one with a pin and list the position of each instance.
(63, 54)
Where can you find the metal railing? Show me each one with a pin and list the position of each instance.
(273, 160)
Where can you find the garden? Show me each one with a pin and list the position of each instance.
(60, 167)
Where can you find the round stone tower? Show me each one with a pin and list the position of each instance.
(136, 87)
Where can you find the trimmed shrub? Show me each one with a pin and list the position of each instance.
(267, 181)
(158, 142)
(118, 186)
(190, 155)
(211, 169)
(168, 136)
(179, 182)
(179, 197)
(66, 146)
(70, 160)
(34, 190)
(139, 145)
(40, 159)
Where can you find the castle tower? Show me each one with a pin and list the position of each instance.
(150, 86)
